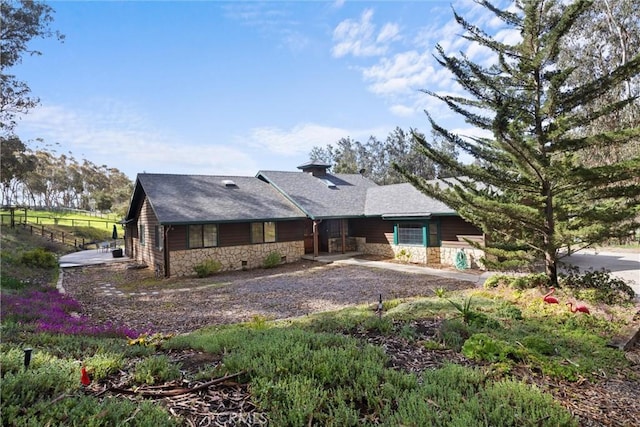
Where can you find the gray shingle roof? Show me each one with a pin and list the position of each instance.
(179, 199)
(328, 196)
(402, 200)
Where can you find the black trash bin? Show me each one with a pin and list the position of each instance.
(117, 253)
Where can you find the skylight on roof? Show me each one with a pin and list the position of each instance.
(328, 183)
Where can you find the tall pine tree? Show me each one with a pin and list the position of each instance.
(527, 188)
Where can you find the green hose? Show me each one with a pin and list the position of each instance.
(461, 260)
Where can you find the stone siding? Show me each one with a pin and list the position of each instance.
(409, 254)
(448, 256)
(234, 257)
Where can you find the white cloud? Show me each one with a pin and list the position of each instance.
(358, 38)
(389, 32)
(403, 73)
(402, 110)
(118, 136)
(301, 138)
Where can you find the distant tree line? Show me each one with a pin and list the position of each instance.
(374, 158)
(41, 179)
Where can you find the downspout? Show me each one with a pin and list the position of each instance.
(167, 258)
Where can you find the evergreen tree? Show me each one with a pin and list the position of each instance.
(527, 188)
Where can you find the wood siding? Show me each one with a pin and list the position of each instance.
(148, 252)
(177, 237)
(453, 226)
(290, 231)
(237, 234)
(375, 230)
(234, 234)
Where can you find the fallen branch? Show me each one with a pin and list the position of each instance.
(174, 392)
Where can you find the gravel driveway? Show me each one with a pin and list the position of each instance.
(134, 297)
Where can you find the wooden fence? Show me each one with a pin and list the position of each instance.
(20, 219)
(62, 237)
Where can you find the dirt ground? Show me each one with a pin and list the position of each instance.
(134, 297)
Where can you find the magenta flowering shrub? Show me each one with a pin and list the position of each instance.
(51, 311)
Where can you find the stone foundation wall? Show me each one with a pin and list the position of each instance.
(234, 257)
(409, 254)
(448, 256)
(379, 249)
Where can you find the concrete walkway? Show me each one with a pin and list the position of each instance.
(89, 257)
(351, 259)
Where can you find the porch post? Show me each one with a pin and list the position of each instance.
(342, 234)
(315, 238)
(167, 256)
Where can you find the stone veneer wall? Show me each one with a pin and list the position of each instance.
(234, 257)
(410, 254)
(448, 256)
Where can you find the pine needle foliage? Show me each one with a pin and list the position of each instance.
(528, 188)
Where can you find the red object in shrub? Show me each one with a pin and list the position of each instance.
(84, 377)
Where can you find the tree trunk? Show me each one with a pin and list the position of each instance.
(550, 250)
(551, 268)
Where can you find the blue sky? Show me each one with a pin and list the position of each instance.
(230, 88)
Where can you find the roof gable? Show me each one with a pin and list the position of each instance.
(181, 199)
(402, 200)
(326, 196)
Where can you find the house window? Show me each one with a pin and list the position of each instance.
(159, 237)
(203, 236)
(141, 235)
(410, 234)
(263, 232)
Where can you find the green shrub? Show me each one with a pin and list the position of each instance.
(7, 282)
(598, 286)
(208, 268)
(529, 281)
(453, 333)
(272, 260)
(39, 258)
(508, 311)
(155, 370)
(101, 365)
(46, 378)
(497, 280)
(539, 345)
(483, 347)
(78, 410)
(382, 325)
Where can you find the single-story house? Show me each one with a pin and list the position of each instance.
(175, 222)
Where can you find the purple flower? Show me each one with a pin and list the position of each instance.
(54, 312)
